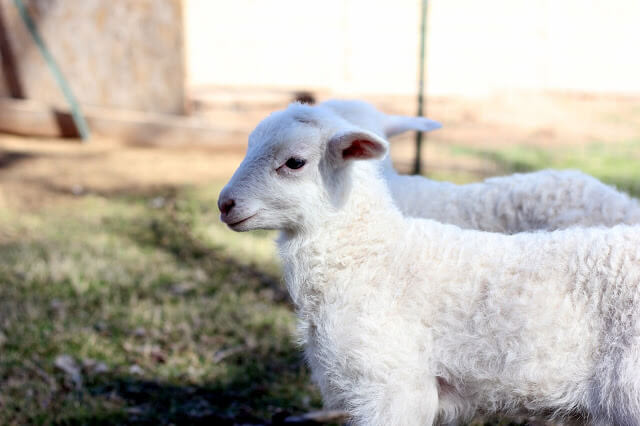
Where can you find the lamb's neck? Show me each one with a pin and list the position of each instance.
(350, 236)
(386, 165)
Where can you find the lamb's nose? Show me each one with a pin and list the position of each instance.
(226, 206)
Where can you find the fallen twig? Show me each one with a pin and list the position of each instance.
(323, 416)
(226, 353)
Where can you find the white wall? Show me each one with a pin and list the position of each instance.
(485, 46)
(475, 47)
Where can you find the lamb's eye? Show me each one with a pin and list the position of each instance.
(295, 163)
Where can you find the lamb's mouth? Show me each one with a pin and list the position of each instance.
(231, 225)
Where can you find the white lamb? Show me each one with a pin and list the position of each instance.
(543, 200)
(409, 321)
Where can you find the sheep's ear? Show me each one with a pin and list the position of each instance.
(396, 124)
(357, 145)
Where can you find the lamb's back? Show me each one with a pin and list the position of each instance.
(543, 200)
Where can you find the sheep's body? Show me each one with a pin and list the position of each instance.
(543, 200)
(409, 321)
(403, 318)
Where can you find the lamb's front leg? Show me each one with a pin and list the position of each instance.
(402, 402)
(375, 389)
(379, 375)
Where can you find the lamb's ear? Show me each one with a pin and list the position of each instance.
(356, 145)
(396, 124)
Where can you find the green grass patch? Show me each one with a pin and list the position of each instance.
(617, 163)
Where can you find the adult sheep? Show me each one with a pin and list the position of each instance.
(542, 200)
(409, 321)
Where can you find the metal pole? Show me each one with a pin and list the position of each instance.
(76, 112)
(417, 167)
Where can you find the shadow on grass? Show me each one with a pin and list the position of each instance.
(254, 394)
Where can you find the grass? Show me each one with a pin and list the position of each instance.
(182, 331)
(143, 309)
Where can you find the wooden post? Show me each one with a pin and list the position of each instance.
(417, 166)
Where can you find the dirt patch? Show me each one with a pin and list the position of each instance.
(38, 172)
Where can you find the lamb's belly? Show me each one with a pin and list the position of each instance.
(527, 360)
(527, 385)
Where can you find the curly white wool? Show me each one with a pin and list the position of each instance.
(409, 321)
(543, 200)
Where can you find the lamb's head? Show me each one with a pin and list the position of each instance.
(297, 169)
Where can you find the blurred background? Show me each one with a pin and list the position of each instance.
(122, 297)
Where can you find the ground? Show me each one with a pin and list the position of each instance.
(124, 300)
